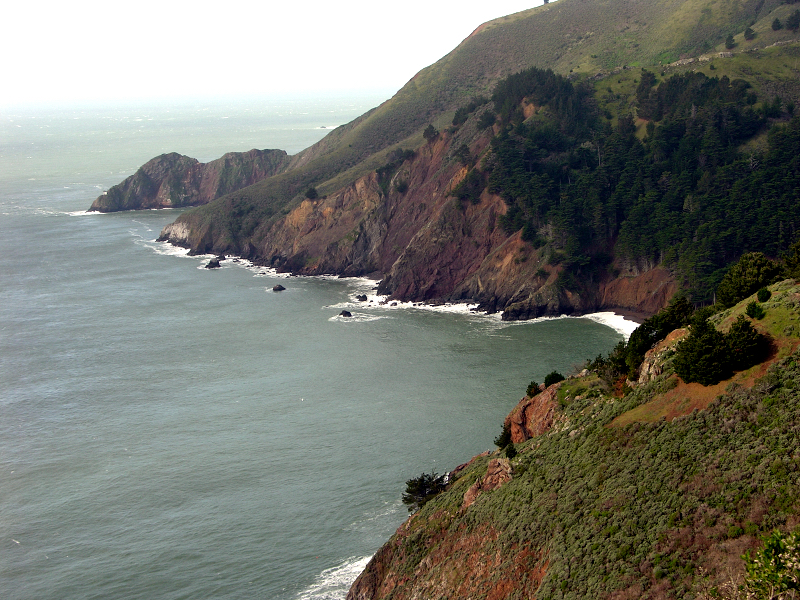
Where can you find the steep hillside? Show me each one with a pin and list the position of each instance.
(589, 190)
(568, 35)
(653, 495)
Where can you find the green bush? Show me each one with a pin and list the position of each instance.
(754, 310)
(763, 295)
(504, 438)
(430, 133)
(553, 377)
(311, 193)
(487, 119)
(421, 489)
(775, 569)
(533, 389)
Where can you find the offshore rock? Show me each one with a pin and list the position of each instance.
(174, 180)
(345, 313)
(278, 288)
(213, 264)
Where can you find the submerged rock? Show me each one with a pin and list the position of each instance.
(213, 264)
(361, 297)
(278, 288)
(345, 313)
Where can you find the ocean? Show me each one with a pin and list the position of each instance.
(167, 431)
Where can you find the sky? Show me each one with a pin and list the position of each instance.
(88, 50)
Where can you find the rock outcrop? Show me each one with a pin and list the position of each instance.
(533, 416)
(174, 180)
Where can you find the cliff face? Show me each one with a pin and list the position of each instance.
(426, 244)
(173, 180)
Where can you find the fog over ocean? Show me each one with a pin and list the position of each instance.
(168, 431)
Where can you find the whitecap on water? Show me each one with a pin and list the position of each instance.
(614, 321)
(357, 318)
(333, 584)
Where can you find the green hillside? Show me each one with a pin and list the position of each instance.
(617, 499)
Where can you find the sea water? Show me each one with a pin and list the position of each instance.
(168, 431)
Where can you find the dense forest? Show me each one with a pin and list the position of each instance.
(685, 194)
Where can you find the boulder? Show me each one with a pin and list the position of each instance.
(213, 264)
(278, 288)
(361, 297)
(345, 313)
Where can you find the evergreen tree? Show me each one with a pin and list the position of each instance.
(703, 357)
(777, 25)
(747, 347)
(753, 271)
(421, 489)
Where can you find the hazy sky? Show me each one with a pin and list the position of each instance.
(87, 49)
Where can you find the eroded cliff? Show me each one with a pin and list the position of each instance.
(174, 180)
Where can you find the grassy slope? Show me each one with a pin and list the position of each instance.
(632, 511)
(584, 36)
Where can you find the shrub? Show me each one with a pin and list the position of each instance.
(311, 193)
(510, 451)
(729, 43)
(421, 489)
(749, 34)
(533, 389)
(504, 438)
(777, 25)
(487, 119)
(553, 377)
(401, 186)
(755, 311)
(763, 295)
(775, 569)
(430, 133)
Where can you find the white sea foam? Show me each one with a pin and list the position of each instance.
(82, 213)
(614, 321)
(357, 318)
(333, 584)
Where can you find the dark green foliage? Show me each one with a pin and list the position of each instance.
(777, 25)
(510, 451)
(311, 193)
(471, 187)
(774, 570)
(464, 155)
(430, 133)
(532, 390)
(791, 260)
(754, 310)
(487, 119)
(684, 197)
(421, 489)
(749, 34)
(752, 272)
(463, 113)
(401, 186)
(708, 356)
(503, 439)
(793, 22)
(729, 43)
(763, 295)
(626, 358)
(703, 356)
(747, 347)
(553, 377)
